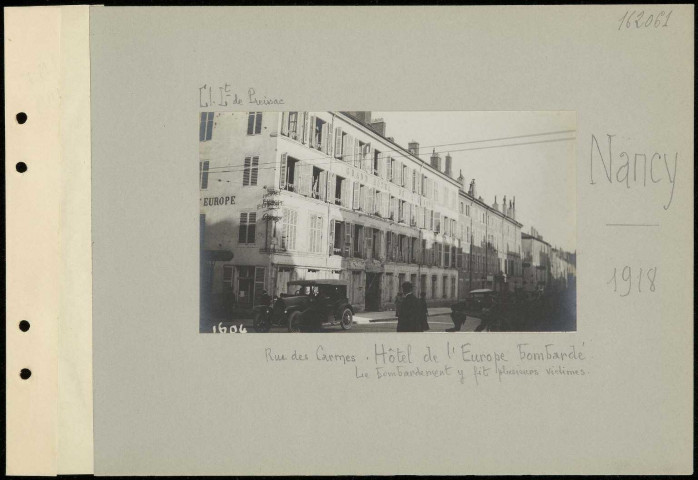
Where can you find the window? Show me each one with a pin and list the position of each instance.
(316, 223)
(447, 256)
(358, 240)
(377, 235)
(254, 123)
(376, 162)
(445, 286)
(203, 174)
(250, 171)
(293, 122)
(205, 126)
(288, 229)
(248, 224)
(228, 276)
(434, 280)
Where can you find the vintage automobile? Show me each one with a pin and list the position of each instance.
(476, 303)
(308, 306)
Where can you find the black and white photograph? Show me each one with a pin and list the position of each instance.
(387, 221)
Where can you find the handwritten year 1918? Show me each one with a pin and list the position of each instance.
(637, 19)
(627, 275)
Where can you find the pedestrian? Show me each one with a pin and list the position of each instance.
(265, 299)
(398, 302)
(424, 310)
(410, 318)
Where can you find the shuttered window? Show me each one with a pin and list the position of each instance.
(259, 274)
(254, 123)
(205, 126)
(250, 171)
(316, 223)
(248, 226)
(288, 229)
(203, 174)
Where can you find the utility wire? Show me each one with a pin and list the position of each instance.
(437, 146)
(240, 168)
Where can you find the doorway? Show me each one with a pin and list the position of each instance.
(373, 292)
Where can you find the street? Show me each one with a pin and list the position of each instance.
(437, 323)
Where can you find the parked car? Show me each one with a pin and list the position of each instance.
(308, 305)
(474, 304)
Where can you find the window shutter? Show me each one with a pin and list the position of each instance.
(347, 149)
(331, 236)
(347, 239)
(311, 130)
(386, 205)
(331, 187)
(388, 171)
(364, 198)
(258, 283)
(242, 232)
(338, 142)
(308, 177)
(255, 171)
(366, 253)
(304, 179)
(246, 172)
(395, 246)
(322, 188)
(258, 123)
(251, 227)
(284, 123)
(346, 193)
(329, 140)
(325, 147)
(357, 195)
(282, 170)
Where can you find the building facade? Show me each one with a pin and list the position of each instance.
(536, 261)
(303, 195)
(491, 242)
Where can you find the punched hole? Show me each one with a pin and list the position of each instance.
(21, 167)
(24, 325)
(25, 373)
(21, 117)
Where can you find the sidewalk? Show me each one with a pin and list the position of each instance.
(389, 316)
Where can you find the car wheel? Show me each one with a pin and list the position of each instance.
(294, 322)
(347, 319)
(261, 323)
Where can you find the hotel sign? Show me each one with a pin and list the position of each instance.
(219, 201)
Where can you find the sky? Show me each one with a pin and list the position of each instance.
(540, 175)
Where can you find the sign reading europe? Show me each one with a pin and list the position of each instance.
(219, 201)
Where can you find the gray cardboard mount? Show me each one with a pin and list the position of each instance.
(168, 400)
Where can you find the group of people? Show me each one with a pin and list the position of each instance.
(411, 311)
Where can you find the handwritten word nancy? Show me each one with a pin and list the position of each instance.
(632, 169)
(223, 96)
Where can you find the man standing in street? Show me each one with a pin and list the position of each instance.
(424, 311)
(410, 318)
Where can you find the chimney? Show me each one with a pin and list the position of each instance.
(513, 209)
(364, 117)
(473, 190)
(379, 126)
(447, 169)
(413, 148)
(495, 205)
(461, 179)
(504, 206)
(435, 160)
